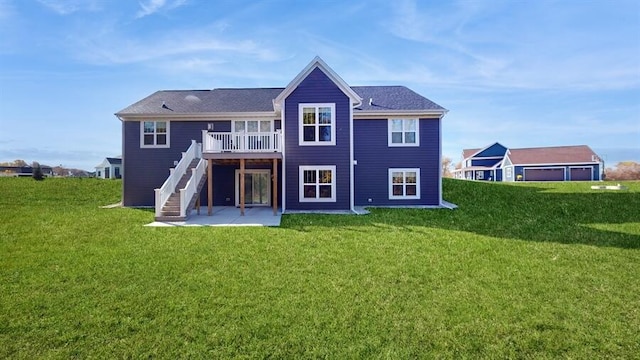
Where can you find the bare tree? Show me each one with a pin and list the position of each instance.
(446, 167)
(625, 170)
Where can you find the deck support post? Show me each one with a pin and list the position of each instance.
(242, 187)
(275, 187)
(210, 187)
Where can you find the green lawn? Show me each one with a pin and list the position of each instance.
(541, 270)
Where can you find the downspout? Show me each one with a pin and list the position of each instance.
(123, 158)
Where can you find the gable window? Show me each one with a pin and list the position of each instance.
(404, 184)
(154, 134)
(317, 183)
(317, 123)
(404, 132)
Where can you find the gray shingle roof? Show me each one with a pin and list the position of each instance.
(384, 98)
(205, 101)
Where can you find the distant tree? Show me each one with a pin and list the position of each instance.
(37, 171)
(446, 167)
(20, 163)
(625, 170)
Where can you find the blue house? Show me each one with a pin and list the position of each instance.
(556, 163)
(317, 144)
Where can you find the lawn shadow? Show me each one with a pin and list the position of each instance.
(530, 212)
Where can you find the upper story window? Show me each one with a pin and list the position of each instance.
(404, 132)
(253, 126)
(154, 134)
(317, 124)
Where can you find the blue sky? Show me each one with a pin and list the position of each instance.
(523, 73)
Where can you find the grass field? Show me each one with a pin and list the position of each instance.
(540, 270)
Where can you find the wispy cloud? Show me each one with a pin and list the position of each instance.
(545, 45)
(153, 6)
(66, 7)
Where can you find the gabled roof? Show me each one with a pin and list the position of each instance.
(318, 63)
(553, 155)
(114, 161)
(468, 153)
(191, 104)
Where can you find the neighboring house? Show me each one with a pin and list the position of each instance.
(558, 163)
(110, 168)
(317, 144)
(24, 170)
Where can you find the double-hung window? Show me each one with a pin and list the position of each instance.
(404, 183)
(318, 183)
(404, 132)
(317, 123)
(154, 134)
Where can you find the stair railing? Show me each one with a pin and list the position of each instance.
(175, 174)
(191, 188)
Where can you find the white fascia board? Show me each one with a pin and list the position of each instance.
(317, 62)
(199, 116)
(384, 115)
(559, 164)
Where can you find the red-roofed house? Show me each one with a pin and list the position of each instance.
(557, 163)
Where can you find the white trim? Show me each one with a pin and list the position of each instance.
(383, 115)
(317, 125)
(404, 171)
(155, 135)
(302, 169)
(390, 143)
(317, 62)
(283, 172)
(252, 171)
(352, 163)
(580, 167)
(563, 168)
(556, 164)
(441, 201)
(198, 116)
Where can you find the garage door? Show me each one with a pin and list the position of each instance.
(581, 174)
(556, 174)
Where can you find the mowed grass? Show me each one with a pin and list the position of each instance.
(540, 270)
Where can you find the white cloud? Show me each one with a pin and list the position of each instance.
(153, 6)
(66, 7)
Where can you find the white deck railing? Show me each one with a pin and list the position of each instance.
(217, 142)
(175, 174)
(192, 186)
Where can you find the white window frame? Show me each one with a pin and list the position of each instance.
(404, 183)
(235, 122)
(317, 168)
(479, 174)
(390, 142)
(155, 135)
(316, 142)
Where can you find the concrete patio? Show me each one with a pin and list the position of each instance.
(228, 216)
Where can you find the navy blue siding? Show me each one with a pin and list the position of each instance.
(375, 157)
(317, 88)
(224, 190)
(147, 169)
(484, 162)
(493, 150)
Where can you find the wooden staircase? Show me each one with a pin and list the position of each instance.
(171, 209)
